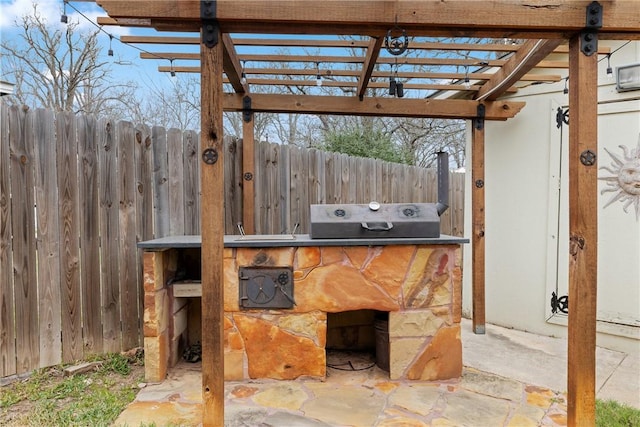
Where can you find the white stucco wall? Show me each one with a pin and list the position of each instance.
(521, 158)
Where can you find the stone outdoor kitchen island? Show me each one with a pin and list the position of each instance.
(414, 283)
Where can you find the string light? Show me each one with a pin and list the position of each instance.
(243, 78)
(318, 76)
(110, 53)
(63, 18)
(566, 87)
(392, 83)
(173, 72)
(609, 69)
(467, 83)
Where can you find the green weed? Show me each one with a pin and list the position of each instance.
(92, 399)
(610, 413)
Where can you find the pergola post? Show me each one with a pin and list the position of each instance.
(583, 234)
(212, 226)
(248, 173)
(478, 226)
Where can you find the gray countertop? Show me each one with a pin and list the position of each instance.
(284, 240)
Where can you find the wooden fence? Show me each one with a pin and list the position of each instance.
(77, 194)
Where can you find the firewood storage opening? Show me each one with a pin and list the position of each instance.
(358, 340)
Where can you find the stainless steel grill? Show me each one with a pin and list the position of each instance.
(375, 220)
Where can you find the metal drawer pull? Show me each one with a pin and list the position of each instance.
(377, 226)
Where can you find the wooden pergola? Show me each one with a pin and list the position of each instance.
(542, 29)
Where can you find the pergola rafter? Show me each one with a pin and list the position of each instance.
(546, 25)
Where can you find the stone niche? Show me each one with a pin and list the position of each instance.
(417, 288)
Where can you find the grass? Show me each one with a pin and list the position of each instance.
(610, 413)
(48, 398)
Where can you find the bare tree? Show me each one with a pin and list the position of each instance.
(61, 69)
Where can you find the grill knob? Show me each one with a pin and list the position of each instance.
(339, 213)
(408, 212)
(374, 206)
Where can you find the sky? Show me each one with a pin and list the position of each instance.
(126, 62)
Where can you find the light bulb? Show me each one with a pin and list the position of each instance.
(63, 18)
(318, 80)
(467, 83)
(243, 79)
(609, 72)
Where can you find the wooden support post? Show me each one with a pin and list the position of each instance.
(478, 226)
(248, 167)
(212, 229)
(583, 234)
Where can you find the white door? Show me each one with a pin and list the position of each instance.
(618, 221)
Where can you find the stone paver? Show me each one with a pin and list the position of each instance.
(486, 395)
(354, 406)
(361, 398)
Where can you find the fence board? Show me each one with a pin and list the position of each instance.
(7, 320)
(297, 189)
(72, 348)
(232, 193)
(127, 259)
(456, 200)
(48, 235)
(191, 183)
(109, 241)
(283, 194)
(98, 188)
(89, 235)
(273, 200)
(24, 250)
(329, 180)
(176, 184)
(144, 184)
(160, 182)
(143, 203)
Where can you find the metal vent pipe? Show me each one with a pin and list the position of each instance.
(443, 182)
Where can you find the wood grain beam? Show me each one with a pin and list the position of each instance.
(473, 62)
(389, 107)
(373, 51)
(212, 230)
(344, 59)
(583, 236)
(330, 43)
(328, 73)
(520, 63)
(559, 18)
(232, 66)
(353, 84)
(478, 278)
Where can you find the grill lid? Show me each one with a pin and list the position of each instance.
(374, 220)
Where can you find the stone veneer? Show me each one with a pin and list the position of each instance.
(419, 285)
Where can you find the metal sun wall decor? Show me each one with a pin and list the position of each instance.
(625, 179)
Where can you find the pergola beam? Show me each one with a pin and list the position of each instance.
(531, 52)
(332, 43)
(232, 66)
(350, 17)
(471, 62)
(375, 74)
(373, 51)
(388, 107)
(583, 236)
